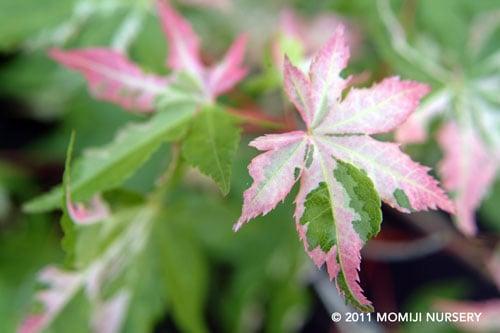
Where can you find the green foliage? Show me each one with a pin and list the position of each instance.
(211, 144)
(24, 249)
(183, 272)
(174, 254)
(38, 81)
(37, 15)
(107, 167)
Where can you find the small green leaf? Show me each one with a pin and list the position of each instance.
(105, 168)
(211, 145)
(149, 297)
(184, 271)
(40, 15)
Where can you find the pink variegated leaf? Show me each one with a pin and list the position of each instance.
(485, 314)
(112, 77)
(115, 259)
(401, 183)
(184, 54)
(324, 74)
(378, 109)
(95, 211)
(183, 43)
(309, 35)
(109, 315)
(318, 256)
(229, 71)
(468, 170)
(337, 211)
(273, 173)
(61, 287)
(414, 129)
(343, 172)
(298, 89)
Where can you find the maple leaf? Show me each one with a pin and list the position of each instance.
(342, 170)
(468, 169)
(114, 78)
(61, 284)
(97, 210)
(467, 106)
(469, 165)
(61, 287)
(299, 38)
(117, 258)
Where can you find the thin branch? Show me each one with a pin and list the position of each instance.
(255, 120)
(164, 183)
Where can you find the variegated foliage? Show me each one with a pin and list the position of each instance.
(114, 78)
(466, 103)
(343, 172)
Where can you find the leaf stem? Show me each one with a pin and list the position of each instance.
(253, 120)
(165, 182)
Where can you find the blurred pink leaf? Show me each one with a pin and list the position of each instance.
(96, 211)
(467, 170)
(229, 71)
(311, 34)
(109, 315)
(61, 287)
(183, 43)
(414, 129)
(184, 54)
(112, 77)
(337, 132)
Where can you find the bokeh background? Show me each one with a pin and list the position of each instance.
(258, 280)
